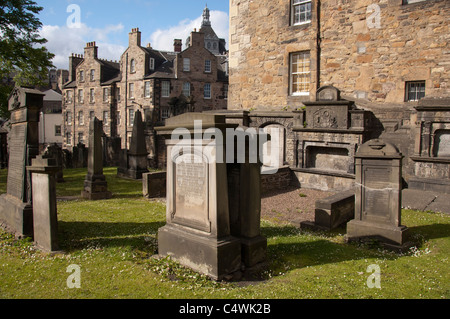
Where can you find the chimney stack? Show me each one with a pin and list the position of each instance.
(134, 37)
(177, 45)
(91, 50)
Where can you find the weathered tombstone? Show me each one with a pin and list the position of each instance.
(154, 184)
(378, 188)
(45, 220)
(136, 162)
(16, 209)
(95, 186)
(199, 232)
(55, 152)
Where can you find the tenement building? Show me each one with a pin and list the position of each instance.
(332, 74)
(160, 84)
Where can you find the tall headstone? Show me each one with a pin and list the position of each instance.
(54, 151)
(45, 220)
(95, 185)
(16, 210)
(378, 194)
(136, 161)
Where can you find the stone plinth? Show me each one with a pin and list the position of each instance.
(16, 210)
(95, 185)
(378, 194)
(45, 221)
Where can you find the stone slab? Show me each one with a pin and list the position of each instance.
(417, 199)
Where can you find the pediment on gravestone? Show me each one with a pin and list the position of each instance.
(378, 148)
(25, 97)
(328, 94)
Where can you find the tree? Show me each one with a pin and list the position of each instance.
(22, 54)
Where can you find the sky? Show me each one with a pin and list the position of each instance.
(69, 24)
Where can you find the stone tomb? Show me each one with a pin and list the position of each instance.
(16, 210)
(202, 231)
(378, 194)
(328, 133)
(95, 186)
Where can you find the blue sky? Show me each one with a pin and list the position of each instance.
(109, 22)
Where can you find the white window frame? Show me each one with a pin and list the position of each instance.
(106, 118)
(301, 12)
(417, 88)
(80, 118)
(187, 89)
(58, 130)
(131, 90)
(81, 75)
(207, 91)
(208, 66)
(80, 96)
(131, 115)
(151, 64)
(306, 59)
(92, 95)
(186, 64)
(81, 140)
(165, 114)
(92, 75)
(147, 89)
(133, 66)
(165, 88)
(105, 95)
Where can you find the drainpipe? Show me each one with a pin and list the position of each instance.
(318, 43)
(126, 101)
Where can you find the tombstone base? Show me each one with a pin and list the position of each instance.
(357, 229)
(130, 173)
(96, 196)
(16, 215)
(95, 190)
(213, 257)
(253, 250)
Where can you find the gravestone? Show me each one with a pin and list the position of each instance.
(154, 184)
(95, 185)
(16, 210)
(202, 230)
(45, 221)
(136, 157)
(378, 187)
(55, 152)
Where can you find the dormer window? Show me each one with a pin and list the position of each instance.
(151, 64)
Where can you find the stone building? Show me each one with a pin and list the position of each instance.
(159, 83)
(389, 60)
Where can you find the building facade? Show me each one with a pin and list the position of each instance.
(158, 83)
(387, 58)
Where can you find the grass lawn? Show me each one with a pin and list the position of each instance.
(111, 242)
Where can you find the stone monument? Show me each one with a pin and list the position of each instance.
(135, 163)
(45, 221)
(378, 187)
(202, 231)
(16, 210)
(95, 186)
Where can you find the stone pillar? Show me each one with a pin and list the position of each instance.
(16, 210)
(95, 186)
(45, 221)
(378, 194)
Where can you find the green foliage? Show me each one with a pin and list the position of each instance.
(22, 54)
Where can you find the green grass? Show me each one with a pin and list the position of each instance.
(112, 242)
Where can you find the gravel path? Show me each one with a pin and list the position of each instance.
(294, 204)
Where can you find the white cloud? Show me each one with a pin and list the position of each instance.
(162, 39)
(63, 41)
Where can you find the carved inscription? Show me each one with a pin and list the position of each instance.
(377, 191)
(191, 192)
(17, 163)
